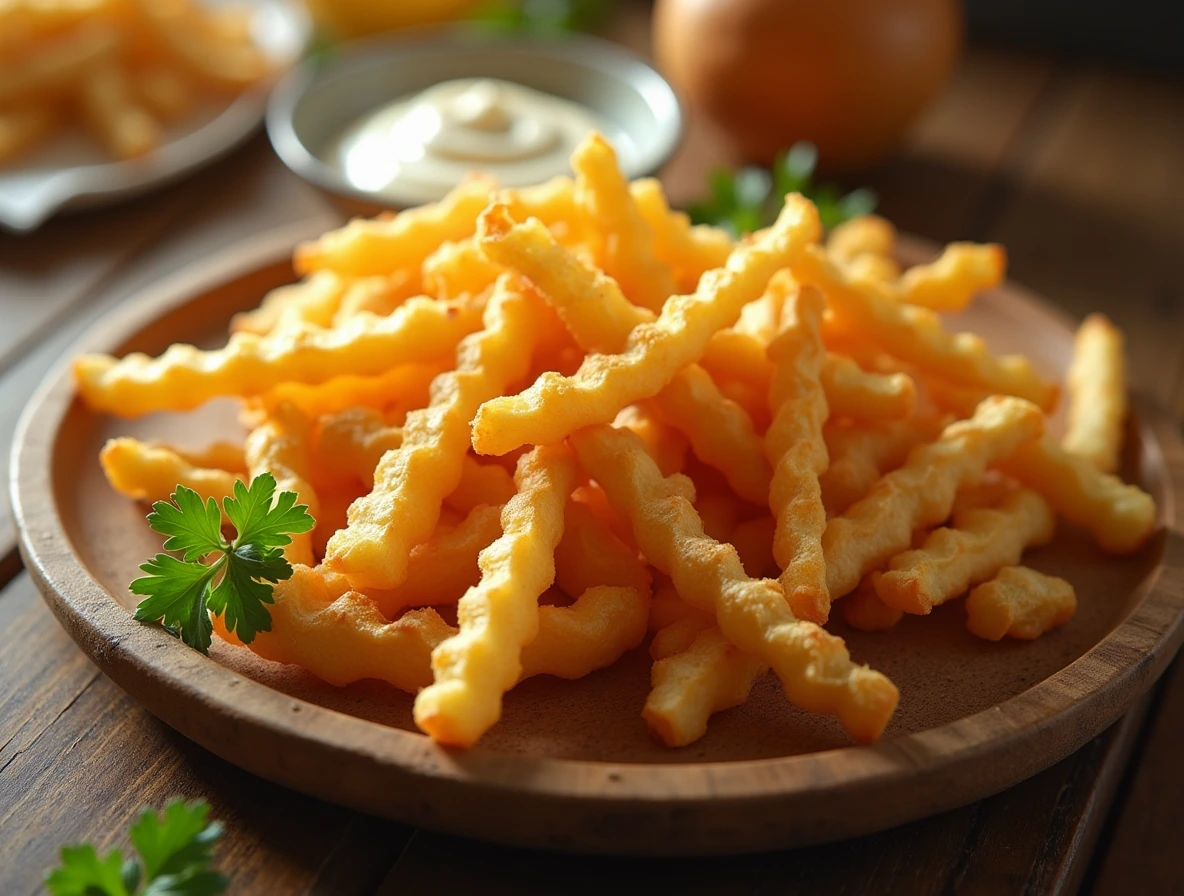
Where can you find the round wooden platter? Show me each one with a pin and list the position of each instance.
(570, 766)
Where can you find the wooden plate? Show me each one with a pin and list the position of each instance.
(571, 766)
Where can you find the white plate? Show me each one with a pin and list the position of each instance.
(72, 170)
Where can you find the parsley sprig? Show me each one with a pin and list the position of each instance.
(238, 583)
(176, 849)
(749, 199)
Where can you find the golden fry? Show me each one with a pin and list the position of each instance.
(184, 377)
(711, 675)
(1120, 517)
(363, 248)
(312, 301)
(951, 282)
(590, 634)
(589, 554)
(282, 446)
(1019, 602)
(796, 450)
(151, 473)
(922, 492)
(499, 616)
(1097, 394)
(603, 193)
(853, 392)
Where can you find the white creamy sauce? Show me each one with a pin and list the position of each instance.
(417, 148)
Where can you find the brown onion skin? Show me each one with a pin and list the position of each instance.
(848, 75)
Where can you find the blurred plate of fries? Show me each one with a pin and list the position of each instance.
(104, 99)
(553, 751)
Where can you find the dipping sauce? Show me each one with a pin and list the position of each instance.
(417, 148)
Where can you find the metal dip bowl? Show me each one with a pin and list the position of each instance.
(322, 97)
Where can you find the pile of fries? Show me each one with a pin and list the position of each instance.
(124, 68)
(538, 426)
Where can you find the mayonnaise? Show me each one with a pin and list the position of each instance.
(417, 148)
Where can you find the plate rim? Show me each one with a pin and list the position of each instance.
(1093, 690)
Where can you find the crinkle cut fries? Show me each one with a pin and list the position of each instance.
(574, 420)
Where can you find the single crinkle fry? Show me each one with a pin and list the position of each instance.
(951, 281)
(922, 492)
(151, 473)
(814, 667)
(861, 452)
(853, 392)
(980, 542)
(667, 607)
(859, 236)
(218, 455)
(1097, 394)
(796, 450)
(864, 611)
(341, 637)
(590, 634)
(184, 377)
(444, 567)
(402, 388)
(313, 301)
(365, 247)
(1019, 602)
(679, 634)
(688, 687)
(282, 446)
(412, 480)
(499, 616)
(915, 334)
(720, 433)
(689, 250)
(1120, 517)
(556, 406)
(628, 252)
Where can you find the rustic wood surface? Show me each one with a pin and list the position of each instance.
(1080, 171)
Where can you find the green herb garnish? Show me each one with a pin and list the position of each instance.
(542, 17)
(175, 849)
(238, 583)
(749, 199)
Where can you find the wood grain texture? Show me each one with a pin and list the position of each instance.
(1027, 839)
(79, 758)
(1144, 848)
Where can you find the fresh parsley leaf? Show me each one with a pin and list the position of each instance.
(749, 199)
(180, 593)
(193, 528)
(83, 873)
(175, 850)
(179, 841)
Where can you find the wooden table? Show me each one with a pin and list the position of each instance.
(1079, 171)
